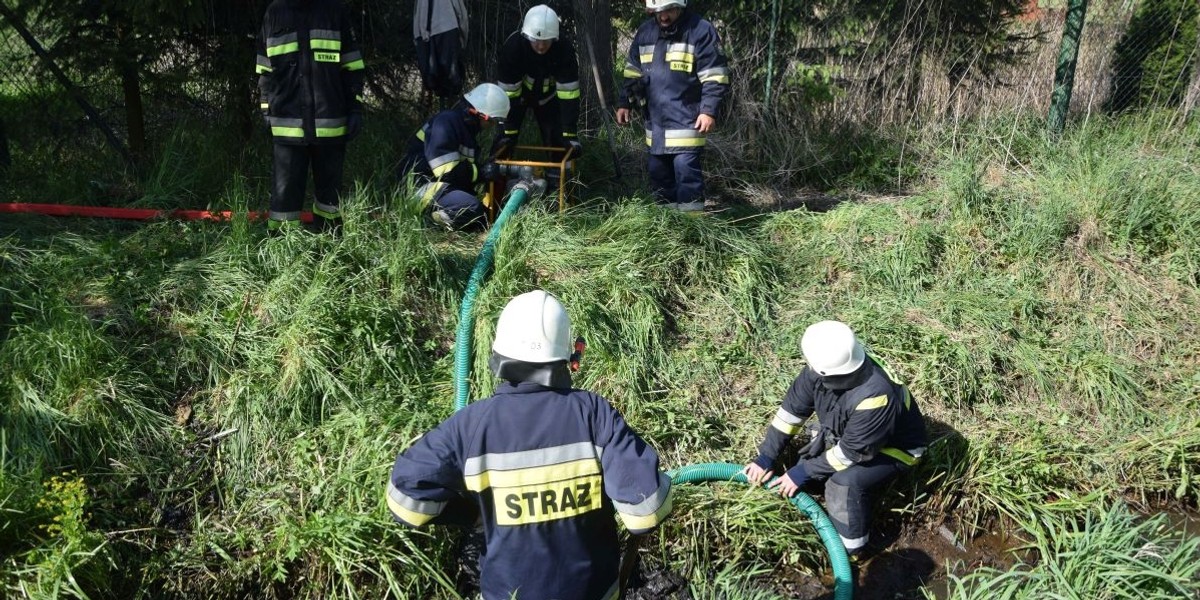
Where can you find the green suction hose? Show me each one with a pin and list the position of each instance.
(699, 473)
(466, 313)
(843, 582)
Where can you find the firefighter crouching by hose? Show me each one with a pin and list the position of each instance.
(869, 430)
(541, 464)
(539, 72)
(443, 158)
(310, 79)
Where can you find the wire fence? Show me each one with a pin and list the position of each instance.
(1134, 55)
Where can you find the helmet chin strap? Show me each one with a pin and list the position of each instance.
(552, 375)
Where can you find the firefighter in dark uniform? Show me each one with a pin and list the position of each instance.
(676, 67)
(311, 80)
(541, 464)
(443, 158)
(869, 429)
(539, 72)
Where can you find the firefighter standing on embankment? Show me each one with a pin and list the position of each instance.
(311, 79)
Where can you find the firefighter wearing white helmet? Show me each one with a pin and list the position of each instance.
(676, 73)
(869, 430)
(542, 465)
(538, 69)
(443, 162)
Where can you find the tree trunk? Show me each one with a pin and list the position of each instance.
(135, 115)
(1192, 99)
(5, 157)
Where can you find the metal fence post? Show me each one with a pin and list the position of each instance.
(1064, 72)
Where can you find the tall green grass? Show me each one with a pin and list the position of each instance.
(225, 406)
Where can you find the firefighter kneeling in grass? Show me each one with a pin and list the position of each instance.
(541, 464)
(869, 430)
(443, 158)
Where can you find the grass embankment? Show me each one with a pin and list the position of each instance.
(193, 410)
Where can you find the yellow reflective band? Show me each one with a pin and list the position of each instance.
(325, 44)
(532, 475)
(283, 49)
(645, 58)
(784, 426)
(411, 517)
(511, 131)
(328, 132)
(900, 455)
(355, 65)
(274, 224)
(440, 170)
(421, 134)
(631, 73)
(834, 461)
(326, 214)
(568, 94)
(649, 141)
(260, 69)
(907, 399)
(715, 79)
(288, 131)
(329, 57)
(539, 503)
(686, 57)
(872, 403)
(567, 134)
(683, 142)
(642, 523)
(264, 106)
(513, 93)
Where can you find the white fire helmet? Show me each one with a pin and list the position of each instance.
(541, 23)
(489, 99)
(533, 328)
(657, 6)
(831, 348)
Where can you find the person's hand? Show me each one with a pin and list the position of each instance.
(575, 146)
(503, 146)
(489, 171)
(790, 483)
(353, 125)
(624, 117)
(756, 474)
(705, 123)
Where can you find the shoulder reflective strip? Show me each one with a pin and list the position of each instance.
(277, 215)
(567, 94)
(426, 508)
(899, 455)
(872, 403)
(296, 132)
(328, 211)
(528, 476)
(837, 459)
(448, 157)
(643, 523)
(317, 44)
(537, 457)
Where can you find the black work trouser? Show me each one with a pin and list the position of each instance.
(549, 120)
(289, 176)
(848, 497)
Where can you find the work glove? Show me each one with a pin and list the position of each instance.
(503, 146)
(489, 171)
(575, 146)
(353, 125)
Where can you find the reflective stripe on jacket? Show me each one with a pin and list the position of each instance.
(679, 76)
(878, 416)
(544, 470)
(310, 71)
(444, 149)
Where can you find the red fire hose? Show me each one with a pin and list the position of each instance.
(136, 214)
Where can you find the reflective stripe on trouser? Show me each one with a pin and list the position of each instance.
(290, 174)
(848, 497)
(677, 177)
